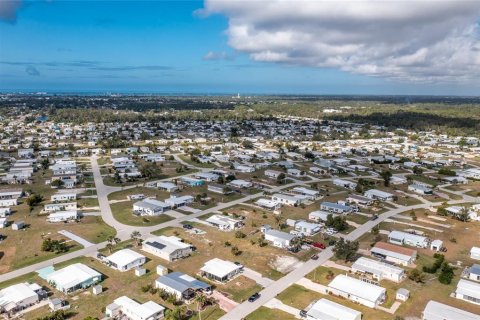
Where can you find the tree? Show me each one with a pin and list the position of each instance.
(177, 313)
(57, 183)
(463, 215)
(34, 199)
(240, 235)
(281, 178)
(446, 273)
(235, 251)
(346, 250)
(136, 236)
(151, 170)
(56, 246)
(417, 276)
(201, 301)
(45, 163)
(386, 176)
(339, 223)
(110, 247)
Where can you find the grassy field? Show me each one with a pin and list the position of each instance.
(148, 192)
(122, 211)
(264, 313)
(298, 297)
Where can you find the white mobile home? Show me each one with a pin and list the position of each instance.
(439, 311)
(367, 294)
(378, 270)
(63, 197)
(19, 296)
(63, 216)
(125, 307)
(278, 239)
(379, 195)
(220, 270)
(468, 291)
(326, 309)
(126, 259)
(168, 248)
(74, 277)
(224, 223)
(404, 238)
(392, 253)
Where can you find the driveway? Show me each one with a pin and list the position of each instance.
(76, 238)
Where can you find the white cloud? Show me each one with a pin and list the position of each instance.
(212, 55)
(404, 40)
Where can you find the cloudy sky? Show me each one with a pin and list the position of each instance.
(222, 46)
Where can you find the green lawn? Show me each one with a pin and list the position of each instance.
(264, 313)
(298, 297)
(122, 212)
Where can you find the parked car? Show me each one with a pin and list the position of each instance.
(188, 226)
(314, 257)
(318, 245)
(254, 297)
(303, 313)
(375, 217)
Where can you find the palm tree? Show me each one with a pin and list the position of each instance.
(109, 246)
(201, 301)
(136, 236)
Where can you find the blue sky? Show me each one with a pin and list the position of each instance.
(166, 46)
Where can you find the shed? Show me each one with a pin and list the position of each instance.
(402, 294)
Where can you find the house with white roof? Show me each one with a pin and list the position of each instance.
(224, 223)
(168, 248)
(268, 204)
(376, 194)
(220, 270)
(393, 253)
(176, 202)
(59, 197)
(73, 277)
(286, 199)
(468, 291)
(325, 309)
(438, 311)
(126, 259)
(307, 228)
(475, 253)
(129, 309)
(150, 207)
(320, 216)
(239, 183)
(309, 193)
(273, 174)
(356, 290)
(344, 183)
(404, 238)
(167, 186)
(19, 296)
(278, 238)
(420, 189)
(64, 206)
(378, 270)
(358, 200)
(63, 216)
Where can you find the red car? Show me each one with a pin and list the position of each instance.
(318, 245)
